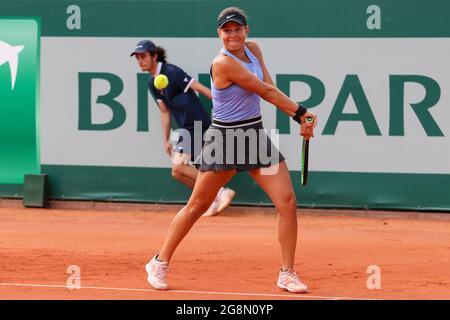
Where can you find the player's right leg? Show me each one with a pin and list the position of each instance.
(206, 187)
(186, 173)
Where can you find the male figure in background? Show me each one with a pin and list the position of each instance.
(179, 99)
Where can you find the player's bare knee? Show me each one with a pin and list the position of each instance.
(196, 209)
(288, 203)
(177, 171)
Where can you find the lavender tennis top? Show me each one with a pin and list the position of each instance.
(234, 103)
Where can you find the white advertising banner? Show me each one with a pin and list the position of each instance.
(385, 107)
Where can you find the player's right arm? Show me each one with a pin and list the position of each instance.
(166, 123)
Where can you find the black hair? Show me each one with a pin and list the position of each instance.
(160, 52)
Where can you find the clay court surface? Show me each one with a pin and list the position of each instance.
(232, 256)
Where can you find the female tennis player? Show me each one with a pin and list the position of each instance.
(239, 78)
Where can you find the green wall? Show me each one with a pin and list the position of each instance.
(191, 19)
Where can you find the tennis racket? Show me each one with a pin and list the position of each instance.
(304, 161)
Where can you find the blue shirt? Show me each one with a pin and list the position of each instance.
(234, 103)
(181, 100)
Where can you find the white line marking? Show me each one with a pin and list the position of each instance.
(288, 296)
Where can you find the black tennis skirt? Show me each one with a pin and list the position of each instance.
(241, 145)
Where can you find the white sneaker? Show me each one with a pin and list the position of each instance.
(225, 197)
(212, 210)
(221, 202)
(157, 273)
(288, 280)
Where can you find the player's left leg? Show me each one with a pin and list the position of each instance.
(278, 187)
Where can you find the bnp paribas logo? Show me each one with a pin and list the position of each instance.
(10, 55)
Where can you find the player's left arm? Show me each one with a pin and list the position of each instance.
(254, 48)
(305, 130)
(200, 88)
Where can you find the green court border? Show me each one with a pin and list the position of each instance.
(391, 191)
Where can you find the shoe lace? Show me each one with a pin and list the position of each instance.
(161, 271)
(293, 276)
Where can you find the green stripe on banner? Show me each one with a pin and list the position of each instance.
(324, 189)
(267, 18)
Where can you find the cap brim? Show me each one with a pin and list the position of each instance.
(231, 20)
(137, 51)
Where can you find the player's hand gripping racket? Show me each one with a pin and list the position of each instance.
(305, 152)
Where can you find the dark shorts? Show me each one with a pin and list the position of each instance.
(241, 145)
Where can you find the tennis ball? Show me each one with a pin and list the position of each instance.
(161, 81)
